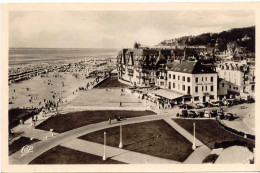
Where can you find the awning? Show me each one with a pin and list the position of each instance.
(167, 94)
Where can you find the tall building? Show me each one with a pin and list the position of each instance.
(194, 79)
(234, 73)
(139, 67)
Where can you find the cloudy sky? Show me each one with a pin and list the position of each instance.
(116, 29)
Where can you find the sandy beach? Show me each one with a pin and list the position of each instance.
(40, 88)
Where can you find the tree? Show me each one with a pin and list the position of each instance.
(232, 46)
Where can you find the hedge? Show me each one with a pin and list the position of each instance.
(226, 144)
(210, 158)
(235, 131)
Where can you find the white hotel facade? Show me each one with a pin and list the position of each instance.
(194, 79)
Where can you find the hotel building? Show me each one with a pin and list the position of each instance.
(194, 79)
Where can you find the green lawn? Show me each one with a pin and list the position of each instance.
(65, 122)
(62, 155)
(18, 144)
(15, 114)
(154, 138)
(111, 83)
(209, 132)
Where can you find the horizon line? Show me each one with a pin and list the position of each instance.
(61, 48)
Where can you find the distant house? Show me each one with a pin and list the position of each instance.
(245, 38)
(222, 88)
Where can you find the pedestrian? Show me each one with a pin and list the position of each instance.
(109, 121)
(14, 90)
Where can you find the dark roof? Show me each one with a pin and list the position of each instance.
(191, 67)
(172, 64)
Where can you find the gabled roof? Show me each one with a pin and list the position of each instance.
(192, 68)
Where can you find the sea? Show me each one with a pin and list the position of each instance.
(30, 56)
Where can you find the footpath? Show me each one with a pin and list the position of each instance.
(114, 153)
(45, 145)
(69, 140)
(201, 150)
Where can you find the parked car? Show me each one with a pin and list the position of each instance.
(192, 114)
(207, 114)
(214, 113)
(230, 117)
(185, 106)
(221, 115)
(251, 100)
(201, 114)
(199, 106)
(184, 113)
(215, 104)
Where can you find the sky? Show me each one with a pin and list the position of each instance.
(116, 29)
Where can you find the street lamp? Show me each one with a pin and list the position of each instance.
(121, 140)
(104, 154)
(194, 144)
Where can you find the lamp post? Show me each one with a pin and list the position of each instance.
(121, 140)
(104, 154)
(194, 144)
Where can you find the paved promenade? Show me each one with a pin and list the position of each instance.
(118, 154)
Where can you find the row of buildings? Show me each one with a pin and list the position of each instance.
(181, 76)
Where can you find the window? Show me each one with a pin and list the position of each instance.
(173, 85)
(206, 78)
(196, 98)
(169, 76)
(178, 77)
(201, 78)
(162, 83)
(188, 79)
(211, 79)
(169, 85)
(196, 79)
(173, 76)
(223, 84)
(206, 88)
(183, 78)
(196, 89)
(211, 87)
(183, 87)
(202, 88)
(211, 97)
